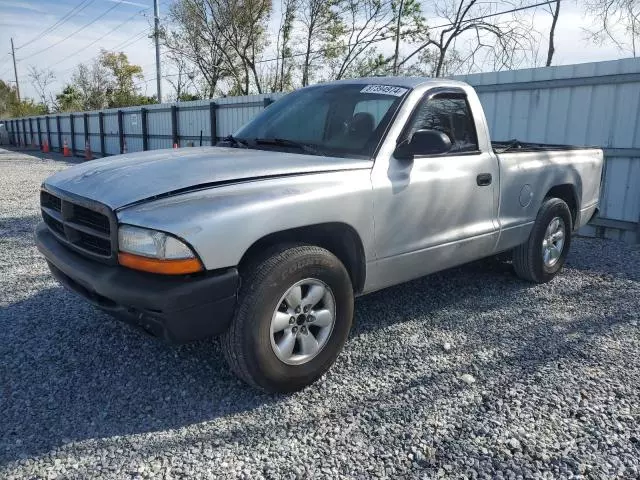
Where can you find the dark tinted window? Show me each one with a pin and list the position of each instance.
(449, 114)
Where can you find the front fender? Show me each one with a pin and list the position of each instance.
(221, 223)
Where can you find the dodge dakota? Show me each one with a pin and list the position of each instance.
(334, 191)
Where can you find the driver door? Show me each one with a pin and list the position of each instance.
(435, 211)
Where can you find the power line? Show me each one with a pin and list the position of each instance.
(74, 33)
(497, 14)
(74, 11)
(131, 40)
(142, 35)
(118, 47)
(483, 17)
(5, 72)
(100, 38)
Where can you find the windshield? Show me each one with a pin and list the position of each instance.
(340, 120)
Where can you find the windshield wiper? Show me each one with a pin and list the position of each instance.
(235, 141)
(287, 143)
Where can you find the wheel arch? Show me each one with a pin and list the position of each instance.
(339, 238)
(567, 193)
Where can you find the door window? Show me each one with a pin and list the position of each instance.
(450, 114)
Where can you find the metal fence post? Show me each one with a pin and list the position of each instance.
(73, 134)
(143, 125)
(101, 131)
(267, 101)
(46, 124)
(59, 133)
(174, 125)
(213, 122)
(86, 131)
(120, 131)
(24, 131)
(39, 132)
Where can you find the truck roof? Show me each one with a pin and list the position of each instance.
(409, 82)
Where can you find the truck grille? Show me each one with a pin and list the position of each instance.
(85, 229)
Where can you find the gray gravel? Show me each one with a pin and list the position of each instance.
(555, 369)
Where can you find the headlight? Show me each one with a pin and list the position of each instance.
(154, 251)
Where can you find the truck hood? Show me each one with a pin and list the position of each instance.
(134, 177)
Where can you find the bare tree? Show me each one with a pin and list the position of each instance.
(195, 39)
(618, 21)
(284, 64)
(41, 79)
(555, 11)
(364, 23)
(489, 38)
(409, 25)
(396, 52)
(94, 85)
(241, 24)
(183, 76)
(319, 33)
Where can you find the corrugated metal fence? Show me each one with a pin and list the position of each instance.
(588, 104)
(132, 129)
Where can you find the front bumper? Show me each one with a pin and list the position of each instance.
(177, 308)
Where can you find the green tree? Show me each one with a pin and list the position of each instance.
(69, 100)
(188, 97)
(93, 83)
(107, 82)
(122, 90)
(28, 107)
(8, 99)
(10, 107)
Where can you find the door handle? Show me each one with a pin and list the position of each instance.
(484, 179)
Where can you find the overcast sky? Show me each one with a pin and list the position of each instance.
(130, 21)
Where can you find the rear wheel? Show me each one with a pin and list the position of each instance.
(542, 256)
(294, 313)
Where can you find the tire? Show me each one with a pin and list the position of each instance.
(250, 343)
(529, 261)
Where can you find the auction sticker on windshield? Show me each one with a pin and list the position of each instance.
(385, 90)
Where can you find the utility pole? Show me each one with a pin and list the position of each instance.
(156, 33)
(15, 70)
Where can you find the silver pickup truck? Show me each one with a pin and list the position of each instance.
(334, 191)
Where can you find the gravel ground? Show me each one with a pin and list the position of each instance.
(467, 373)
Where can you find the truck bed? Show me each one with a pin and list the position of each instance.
(513, 146)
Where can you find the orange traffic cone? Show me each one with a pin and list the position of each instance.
(87, 151)
(65, 149)
(45, 147)
(175, 145)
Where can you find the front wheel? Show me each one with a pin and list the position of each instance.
(294, 314)
(542, 256)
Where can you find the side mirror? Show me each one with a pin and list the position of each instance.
(424, 142)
